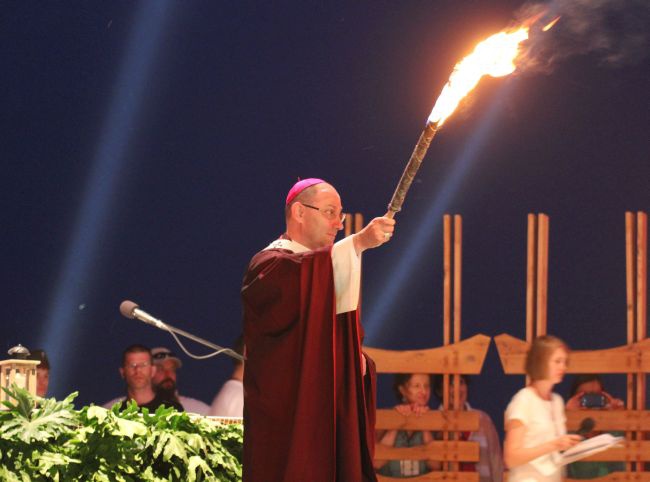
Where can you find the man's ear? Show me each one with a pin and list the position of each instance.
(297, 211)
(122, 372)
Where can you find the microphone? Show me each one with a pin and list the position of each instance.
(129, 309)
(586, 426)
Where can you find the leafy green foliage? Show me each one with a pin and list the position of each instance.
(48, 440)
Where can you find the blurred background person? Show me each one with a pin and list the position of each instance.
(165, 381)
(138, 370)
(490, 465)
(42, 371)
(535, 422)
(229, 402)
(413, 391)
(588, 393)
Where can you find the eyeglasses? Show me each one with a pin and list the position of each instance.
(329, 213)
(162, 355)
(135, 366)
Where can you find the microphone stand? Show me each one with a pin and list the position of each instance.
(226, 351)
(129, 309)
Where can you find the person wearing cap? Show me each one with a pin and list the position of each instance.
(309, 405)
(138, 370)
(164, 381)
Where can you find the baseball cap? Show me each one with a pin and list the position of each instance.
(161, 353)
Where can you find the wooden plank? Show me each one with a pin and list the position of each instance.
(634, 358)
(435, 420)
(466, 357)
(610, 420)
(436, 476)
(451, 451)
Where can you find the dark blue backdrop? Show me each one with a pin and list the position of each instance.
(148, 148)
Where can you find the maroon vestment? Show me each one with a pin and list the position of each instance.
(309, 415)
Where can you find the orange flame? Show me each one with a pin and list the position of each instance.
(494, 56)
(549, 26)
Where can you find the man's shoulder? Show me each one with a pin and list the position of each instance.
(270, 253)
(268, 258)
(194, 406)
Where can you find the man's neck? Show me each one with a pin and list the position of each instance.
(294, 234)
(141, 396)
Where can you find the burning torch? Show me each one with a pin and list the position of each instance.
(494, 56)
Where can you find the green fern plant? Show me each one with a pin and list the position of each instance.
(45, 439)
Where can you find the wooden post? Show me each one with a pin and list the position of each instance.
(630, 296)
(542, 273)
(446, 308)
(347, 226)
(358, 222)
(636, 278)
(458, 257)
(536, 277)
(458, 264)
(446, 335)
(641, 306)
(452, 279)
(530, 277)
(353, 223)
(642, 274)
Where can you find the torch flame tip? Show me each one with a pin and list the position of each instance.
(549, 25)
(493, 56)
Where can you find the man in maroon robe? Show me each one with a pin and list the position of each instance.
(309, 404)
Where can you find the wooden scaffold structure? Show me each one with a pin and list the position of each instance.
(632, 359)
(455, 358)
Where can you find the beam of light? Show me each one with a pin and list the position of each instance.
(383, 312)
(75, 279)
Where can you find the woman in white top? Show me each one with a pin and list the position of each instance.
(534, 421)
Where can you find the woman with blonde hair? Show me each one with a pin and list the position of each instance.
(534, 421)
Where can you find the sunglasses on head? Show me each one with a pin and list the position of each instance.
(162, 355)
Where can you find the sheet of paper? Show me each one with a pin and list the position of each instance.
(589, 447)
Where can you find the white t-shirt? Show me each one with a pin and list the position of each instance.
(544, 420)
(229, 402)
(192, 405)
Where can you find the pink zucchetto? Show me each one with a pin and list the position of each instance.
(300, 186)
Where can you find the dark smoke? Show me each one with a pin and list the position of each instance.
(616, 32)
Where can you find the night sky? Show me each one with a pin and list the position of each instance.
(148, 148)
